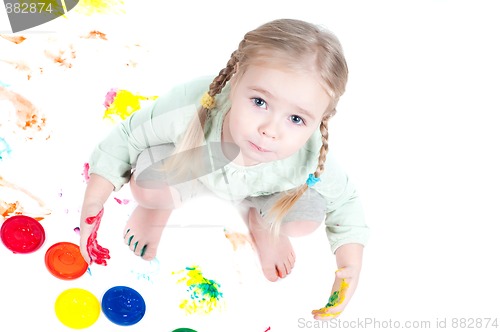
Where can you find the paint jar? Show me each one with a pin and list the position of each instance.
(22, 234)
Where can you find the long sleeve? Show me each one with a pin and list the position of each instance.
(163, 121)
(345, 221)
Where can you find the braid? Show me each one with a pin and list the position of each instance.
(323, 128)
(226, 73)
(288, 199)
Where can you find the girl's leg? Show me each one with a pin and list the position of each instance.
(144, 228)
(276, 255)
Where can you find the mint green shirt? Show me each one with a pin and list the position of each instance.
(166, 119)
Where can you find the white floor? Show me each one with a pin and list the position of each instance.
(417, 131)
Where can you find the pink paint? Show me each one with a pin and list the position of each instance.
(110, 97)
(97, 253)
(268, 329)
(122, 201)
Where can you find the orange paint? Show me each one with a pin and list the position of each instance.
(94, 34)
(28, 117)
(7, 209)
(14, 39)
(238, 239)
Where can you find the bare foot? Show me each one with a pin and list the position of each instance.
(143, 231)
(277, 257)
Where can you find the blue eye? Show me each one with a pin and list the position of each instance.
(259, 102)
(296, 119)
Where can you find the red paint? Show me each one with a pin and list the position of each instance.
(97, 253)
(268, 329)
(122, 201)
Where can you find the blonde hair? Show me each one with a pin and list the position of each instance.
(295, 42)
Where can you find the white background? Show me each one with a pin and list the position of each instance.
(417, 131)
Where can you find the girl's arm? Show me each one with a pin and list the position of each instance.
(349, 261)
(96, 194)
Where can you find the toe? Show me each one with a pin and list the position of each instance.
(271, 273)
(147, 253)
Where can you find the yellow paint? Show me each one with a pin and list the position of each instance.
(124, 104)
(205, 295)
(91, 7)
(323, 312)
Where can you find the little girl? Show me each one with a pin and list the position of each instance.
(256, 135)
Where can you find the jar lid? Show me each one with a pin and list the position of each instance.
(77, 308)
(64, 261)
(123, 305)
(22, 234)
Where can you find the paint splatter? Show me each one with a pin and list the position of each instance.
(146, 270)
(122, 201)
(7, 209)
(204, 294)
(14, 39)
(91, 7)
(122, 103)
(28, 117)
(97, 253)
(5, 149)
(237, 239)
(94, 34)
(62, 57)
(335, 299)
(22, 66)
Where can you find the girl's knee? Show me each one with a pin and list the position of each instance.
(157, 198)
(299, 228)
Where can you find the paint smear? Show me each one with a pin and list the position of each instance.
(21, 66)
(237, 239)
(63, 57)
(85, 172)
(335, 299)
(146, 270)
(28, 117)
(94, 34)
(204, 294)
(7, 209)
(5, 149)
(122, 103)
(122, 201)
(14, 39)
(91, 7)
(97, 253)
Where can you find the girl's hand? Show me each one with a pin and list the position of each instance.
(346, 280)
(89, 225)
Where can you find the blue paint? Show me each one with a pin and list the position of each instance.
(5, 149)
(4, 84)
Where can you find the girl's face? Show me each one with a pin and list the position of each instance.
(273, 113)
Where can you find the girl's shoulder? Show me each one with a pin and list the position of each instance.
(188, 92)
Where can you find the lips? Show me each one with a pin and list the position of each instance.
(258, 148)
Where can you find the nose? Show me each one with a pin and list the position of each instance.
(269, 129)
